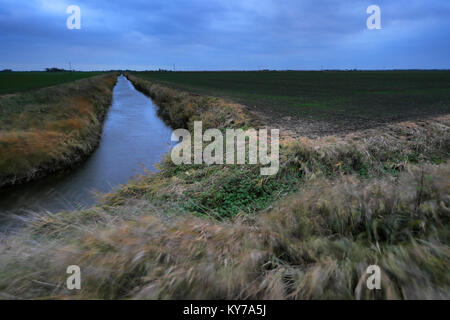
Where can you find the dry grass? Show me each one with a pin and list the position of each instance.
(379, 197)
(375, 151)
(314, 245)
(52, 128)
(223, 191)
(332, 231)
(180, 109)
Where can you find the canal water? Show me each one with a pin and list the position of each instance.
(134, 138)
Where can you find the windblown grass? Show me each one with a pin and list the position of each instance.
(316, 244)
(52, 128)
(336, 206)
(224, 191)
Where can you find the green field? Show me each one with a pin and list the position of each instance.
(13, 82)
(325, 95)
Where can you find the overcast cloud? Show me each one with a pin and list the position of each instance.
(224, 34)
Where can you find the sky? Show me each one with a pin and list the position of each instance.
(225, 35)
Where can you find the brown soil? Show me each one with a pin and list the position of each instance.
(294, 127)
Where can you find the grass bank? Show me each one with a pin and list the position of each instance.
(337, 205)
(180, 109)
(315, 244)
(52, 128)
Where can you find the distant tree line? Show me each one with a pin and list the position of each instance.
(56, 70)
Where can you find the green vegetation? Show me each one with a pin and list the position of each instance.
(52, 128)
(314, 244)
(336, 206)
(13, 82)
(226, 191)
(359, 97)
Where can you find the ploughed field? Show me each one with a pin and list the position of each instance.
(13, 82)
(317, 103)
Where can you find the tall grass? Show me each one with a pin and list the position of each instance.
(316, 244)
(228, 190)
(52, 128)
(336, 206)
(180, 109)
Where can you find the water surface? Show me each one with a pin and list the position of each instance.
(133, 138)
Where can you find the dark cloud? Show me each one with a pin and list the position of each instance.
(225, 34)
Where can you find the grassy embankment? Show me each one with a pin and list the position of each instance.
(53, 128)
(336, 206)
